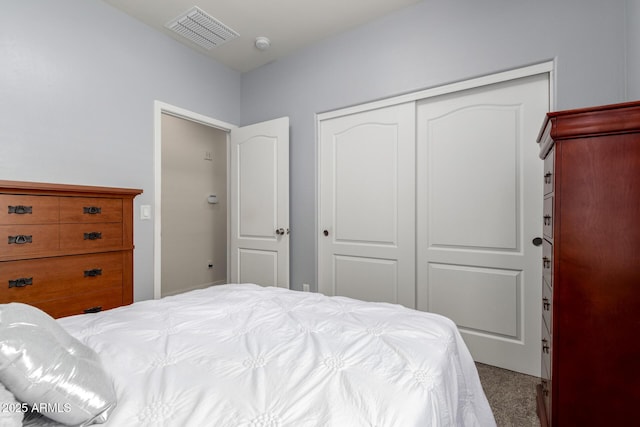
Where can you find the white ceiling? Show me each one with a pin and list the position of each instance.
(289, 24)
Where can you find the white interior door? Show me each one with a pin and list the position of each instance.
(479, 206)
(259, 211)
(367, 205)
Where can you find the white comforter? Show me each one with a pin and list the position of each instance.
(245, 355)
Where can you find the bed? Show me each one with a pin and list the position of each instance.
(246, 355)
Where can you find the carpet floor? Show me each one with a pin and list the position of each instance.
(511, 395)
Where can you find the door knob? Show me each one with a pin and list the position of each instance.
(325, 232)
(537, 241)
(280, 231)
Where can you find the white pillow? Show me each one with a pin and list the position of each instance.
(42, 365)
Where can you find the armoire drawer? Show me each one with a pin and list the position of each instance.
(25, 240)
(546, 350)
(90, 236)
(90, 210)
(549, 171)
(547, 217)
(44, 279)
(18, 209)
(547, 262)
(547, 305)
(81, 304)
(546, 398)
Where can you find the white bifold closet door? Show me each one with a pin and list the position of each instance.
(367, 205)
(434, 204)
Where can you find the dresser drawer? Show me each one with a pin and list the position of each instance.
(37, 280)
(24, 240)
(18, 209)
(90, 236)
(549, 171)
(547, 262)
(547, 217)
(81, 304)
(90, 210)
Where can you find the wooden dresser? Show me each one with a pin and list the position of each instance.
(591, 267)
(66, 249)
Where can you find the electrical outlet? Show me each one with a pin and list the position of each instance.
(305, 287)
(207, 155)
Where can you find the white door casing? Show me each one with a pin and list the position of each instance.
(367, 207)
(259, 208)
(479, 207)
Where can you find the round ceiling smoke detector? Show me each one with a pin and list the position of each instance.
(263, 43)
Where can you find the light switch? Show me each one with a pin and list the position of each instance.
(145, 212)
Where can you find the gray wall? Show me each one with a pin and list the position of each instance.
(426, 45)
(77, 83)
(633, 49)
(78, 80)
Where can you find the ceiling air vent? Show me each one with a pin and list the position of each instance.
(201, 28)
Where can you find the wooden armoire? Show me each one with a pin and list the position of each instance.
(591, 267)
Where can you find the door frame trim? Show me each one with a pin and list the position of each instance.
(160, 108)
(546, 67)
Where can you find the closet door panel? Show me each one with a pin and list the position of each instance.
(473, 178)
(376, 279)
(367, 205)
(478, 212)
(366, 184)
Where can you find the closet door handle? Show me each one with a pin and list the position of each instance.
(325, 232)
(280, 231)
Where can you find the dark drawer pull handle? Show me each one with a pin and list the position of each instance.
(547, 178)
(546, 304)
(20, 210)
(21, 282)
(92, 236)
(95, 309)
(547, 220)
(92, 210)
(93, 273)
(20, 239)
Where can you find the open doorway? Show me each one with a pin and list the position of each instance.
(194, 205)
(191, 201)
